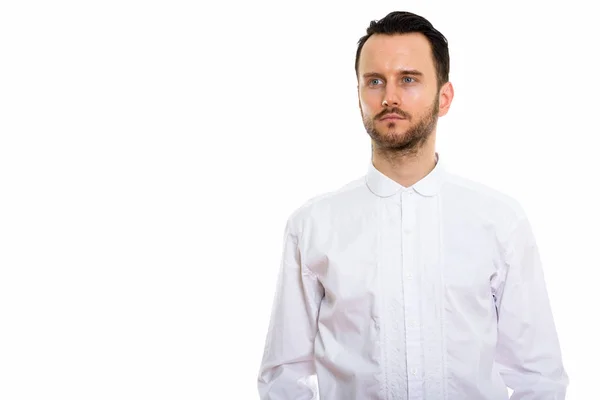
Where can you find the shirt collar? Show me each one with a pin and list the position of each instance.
(383, 186)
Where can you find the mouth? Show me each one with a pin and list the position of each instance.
(391, 118)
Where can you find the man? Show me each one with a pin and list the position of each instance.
(410, 282)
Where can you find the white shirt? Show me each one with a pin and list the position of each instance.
(432, 292)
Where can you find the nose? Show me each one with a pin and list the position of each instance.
(391, 98)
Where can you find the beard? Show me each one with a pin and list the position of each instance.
(394, 140)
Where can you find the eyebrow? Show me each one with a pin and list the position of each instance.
(401, 72)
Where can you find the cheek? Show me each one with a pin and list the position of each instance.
(365, 109)
(413, 95)
(414, 101)
(370, 104)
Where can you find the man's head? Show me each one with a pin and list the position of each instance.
(402, 67)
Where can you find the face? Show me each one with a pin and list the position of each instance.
(399, 69)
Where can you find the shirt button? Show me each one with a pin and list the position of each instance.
(414, 371)
(409, 276)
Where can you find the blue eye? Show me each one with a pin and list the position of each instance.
(372, 80)
(408, 77)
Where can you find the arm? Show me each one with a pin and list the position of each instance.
(528, 351)
(288, 364)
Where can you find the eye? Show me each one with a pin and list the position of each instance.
(371, 82)
(408, 79)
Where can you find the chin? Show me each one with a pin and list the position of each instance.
(388, 124)
(393, 130)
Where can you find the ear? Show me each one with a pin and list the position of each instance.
(445, 99)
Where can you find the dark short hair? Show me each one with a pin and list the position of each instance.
(399, 22)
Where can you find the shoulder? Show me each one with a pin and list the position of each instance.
(471, 194)
(322, 205)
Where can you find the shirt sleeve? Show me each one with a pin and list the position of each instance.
(528, 351)
(287, 370)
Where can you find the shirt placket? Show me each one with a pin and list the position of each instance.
(411, 296)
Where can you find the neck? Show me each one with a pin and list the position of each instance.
(405, 168)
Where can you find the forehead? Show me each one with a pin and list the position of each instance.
(388, 53)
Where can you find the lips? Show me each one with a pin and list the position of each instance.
(391, 117)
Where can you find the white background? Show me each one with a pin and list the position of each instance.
(151, 152)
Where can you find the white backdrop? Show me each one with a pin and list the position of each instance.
(150, 153)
